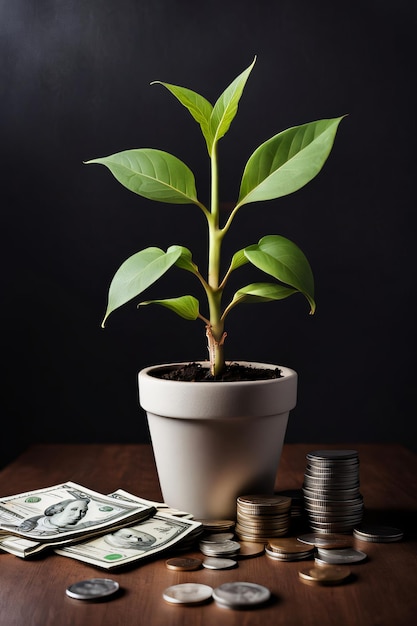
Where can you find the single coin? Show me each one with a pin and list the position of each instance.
(217, 537)
(236, 595)
(378, 534)
(250, 548)
(212, 562)
(339, 556)
(331, 540)
(288, 545)
(325, 574)
(183, 564)
(92, 588)
(332, 455)
(217, 524)
(187, 593)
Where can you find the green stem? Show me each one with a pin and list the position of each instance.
(215, 331)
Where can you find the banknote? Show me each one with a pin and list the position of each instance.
(158, 533)
(65, 512)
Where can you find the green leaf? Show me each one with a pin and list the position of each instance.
(287, 161)
(238, 259)
(184, 261)
(136, 274)
(199, 107)
(281, 258)
(262, 292)
(153, 174)
(225, 109)
(184, 306)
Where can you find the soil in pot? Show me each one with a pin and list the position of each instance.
(195, 372)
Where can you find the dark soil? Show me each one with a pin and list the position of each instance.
(195, 372)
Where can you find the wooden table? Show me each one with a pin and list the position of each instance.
(383, 590)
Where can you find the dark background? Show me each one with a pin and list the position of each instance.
(75, 85)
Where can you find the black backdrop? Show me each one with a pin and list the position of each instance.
(75, 85)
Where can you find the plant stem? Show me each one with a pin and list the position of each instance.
(215, 332)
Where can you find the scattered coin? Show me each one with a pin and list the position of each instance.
(378, 534)
(213, 562)
(238, 595)
(329, 540)
(183, 564)
(288, 549)
(92, 589)
(217, 537)
(217, 525)
(340, 556)
(250, 548)
(325, 575)
(187, 593)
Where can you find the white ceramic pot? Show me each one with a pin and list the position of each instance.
(214, 441)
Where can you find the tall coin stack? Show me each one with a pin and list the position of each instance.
(262, 517)
(332, 500)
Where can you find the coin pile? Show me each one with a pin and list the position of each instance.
(261, 517)
(223, 548)
(332, 500)
(288, 549)
(297, 502)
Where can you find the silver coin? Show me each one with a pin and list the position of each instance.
(329, 540)
(332, 455)
(378, 534)
(237, 595)
(223, 548)
(212, 562)
(217, 537)
(187, 593)
(338, 556)
(92, 589)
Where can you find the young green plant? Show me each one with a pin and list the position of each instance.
(280, 166)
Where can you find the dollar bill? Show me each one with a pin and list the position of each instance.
(136, 542)
(61, 514)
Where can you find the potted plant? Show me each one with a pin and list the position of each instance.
(214, 437)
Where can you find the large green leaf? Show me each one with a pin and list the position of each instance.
(199, 107)
(287, 161)
(184, 306)
(153, 174)
(137, 273)
(281, 258)
(262, 292)
(225, 108)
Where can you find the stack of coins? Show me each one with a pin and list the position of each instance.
(332, 500)
(297, 502)
(261, 517)
(288, 549)
(225, 548)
